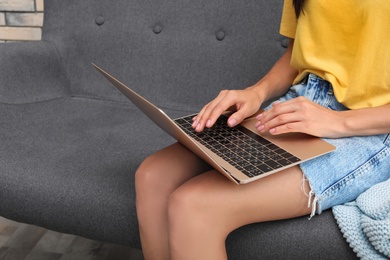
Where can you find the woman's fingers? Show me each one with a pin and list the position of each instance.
(207, 115)
(298, 115)
(244, 102)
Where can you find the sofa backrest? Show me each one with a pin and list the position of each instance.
(177, 53)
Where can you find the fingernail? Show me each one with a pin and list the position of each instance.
(259, 116)
(197, 127)
(195, 123)
(260, 128)
(273, 130)
(208, 124)
(232, 122)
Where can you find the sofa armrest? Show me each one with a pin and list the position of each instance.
(30, 72)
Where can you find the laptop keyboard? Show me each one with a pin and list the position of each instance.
(248, 152)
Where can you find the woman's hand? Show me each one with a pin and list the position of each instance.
(301, 115)
(245, 102)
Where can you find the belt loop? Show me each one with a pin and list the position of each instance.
(330, 89)
(305, 79)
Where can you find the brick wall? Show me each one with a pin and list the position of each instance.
(21, 20)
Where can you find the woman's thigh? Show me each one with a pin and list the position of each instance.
(220, 203)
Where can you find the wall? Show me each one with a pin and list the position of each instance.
(21, 20)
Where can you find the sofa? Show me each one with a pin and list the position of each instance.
(71, 142)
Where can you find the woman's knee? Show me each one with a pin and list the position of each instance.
(189, 207)
(146, 174)
(193, 220)
(184, 217)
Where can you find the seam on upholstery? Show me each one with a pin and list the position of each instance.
(62, 67)
(61, 97)
(128, 102)
(68, 97)
(33, 102)
(125, 103)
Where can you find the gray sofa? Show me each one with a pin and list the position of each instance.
(70, 142)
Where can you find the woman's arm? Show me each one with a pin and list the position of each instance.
(367, 121)
(246, 102)
(279, 79)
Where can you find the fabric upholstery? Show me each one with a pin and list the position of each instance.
(185, 55)
(70, 142)
(30, 72)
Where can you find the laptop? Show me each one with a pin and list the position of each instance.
(241, 154)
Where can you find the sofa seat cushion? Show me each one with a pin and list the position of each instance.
(68, 164)
(299, 238)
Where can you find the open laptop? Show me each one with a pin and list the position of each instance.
(242, 154)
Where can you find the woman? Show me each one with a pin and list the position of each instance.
(337, 61)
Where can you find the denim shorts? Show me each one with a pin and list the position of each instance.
(357, 164)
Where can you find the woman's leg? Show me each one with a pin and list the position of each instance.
(157, 177)
(204, 210)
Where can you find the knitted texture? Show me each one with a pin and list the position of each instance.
(365, 223)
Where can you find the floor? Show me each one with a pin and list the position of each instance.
(20, 241)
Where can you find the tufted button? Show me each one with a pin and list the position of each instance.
(157, 29)
(220, 35)
(99, 20)
(284, 42)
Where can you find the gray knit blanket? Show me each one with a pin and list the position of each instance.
(365, 222)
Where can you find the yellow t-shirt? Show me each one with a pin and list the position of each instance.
(345, 42)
